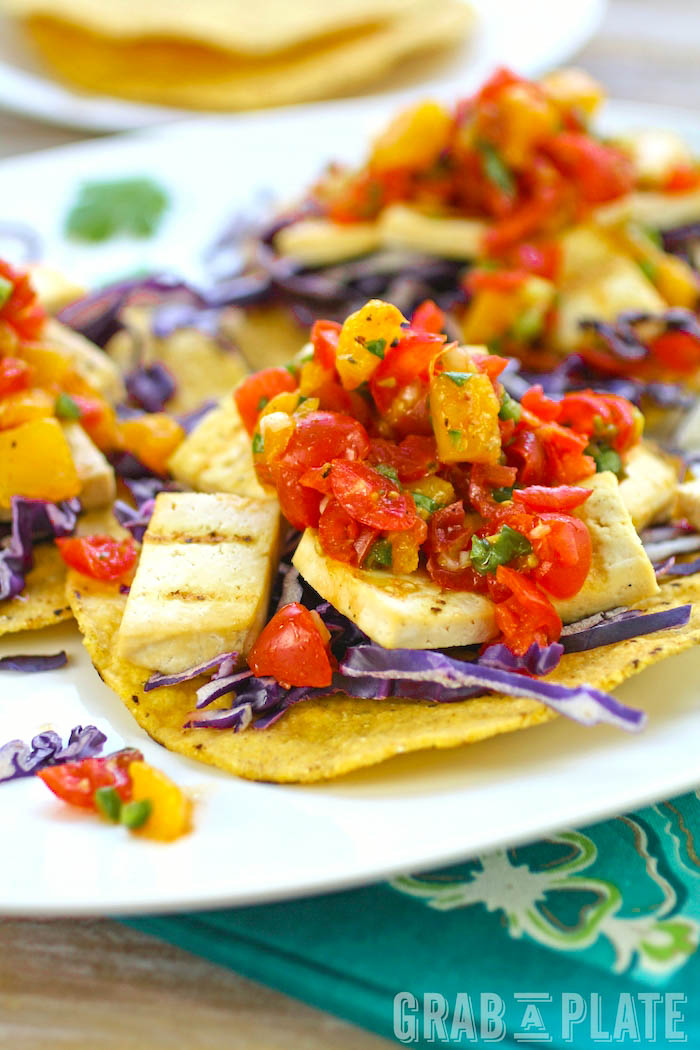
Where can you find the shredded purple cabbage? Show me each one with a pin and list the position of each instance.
(143, 491)
(151, 386)
(582, 703)
(33, 664)
(673, 568)
(537, 661)
(33, 520)
(190, 420)
(632, 625)
(683, 543)
(18, 759)
(158, 680)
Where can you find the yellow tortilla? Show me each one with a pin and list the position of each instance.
(43, 601)
(322, 739)
(198, 75)
(261, 28)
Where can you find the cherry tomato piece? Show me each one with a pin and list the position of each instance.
(100, 557)
(254, 392)
(76, 782)
(526, 616)
(291, 649)
(563, 547)
(324, 339)
(15, 375)
(428, 317)
(21, 308)
(678, 351)
(561, 497)
(371, 498)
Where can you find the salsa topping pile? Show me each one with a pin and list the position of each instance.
(406, 451)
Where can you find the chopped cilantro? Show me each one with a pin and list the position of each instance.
(510, 408)
(459, 378)
(388, 472)
(376, 347)
(495, 168)
(648, 269)
(66, 407)
(528, 325)
(6, 289)
(116, 206)
(606, 458)
(455, 437)
(292, 369)
(425, 503)
(258, 442)
(262, 402)
(488, 554)
(379, 556)
(503, 494)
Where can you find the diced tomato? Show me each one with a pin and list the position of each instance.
(678, 351)
(545, 408)
(15, 375)
(528, 615)
(525, 220)
(371, 498)
(526, 454)
(404, 363)
(478, 280)
(449, 537)
(291, 649)
(609, 416)
(318, 439)
(682, 179)
(341, 536)
(256, 390)
(498, 80)
(601, 173)
(100, 557)
(413, 458)
(562, 545)
(21, 308)
(324, 339)
(564, 452)
(76, 782)
(428, 317)
(491, 365)
(561, 497)
(541, 258)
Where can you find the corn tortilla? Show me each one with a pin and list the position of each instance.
(43, 601)
(321, 739)
(194, 75)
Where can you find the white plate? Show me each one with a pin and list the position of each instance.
(531, 37)
(255, 842)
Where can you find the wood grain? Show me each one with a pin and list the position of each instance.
(68, 984)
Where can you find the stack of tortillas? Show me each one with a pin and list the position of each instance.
(234, 54)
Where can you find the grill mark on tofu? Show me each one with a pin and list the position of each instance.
(212, 537)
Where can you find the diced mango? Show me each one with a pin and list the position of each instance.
(23, 406)
(36, 462)
(464, 410)
(51, 366)
(365, 337)
(414, 139)
(152, 439)
(573, 89)
(171, 809)
(527, 116)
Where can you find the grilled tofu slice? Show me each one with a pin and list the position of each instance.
(649, 486)
(621, 572)
(203, 582)
(650, 208)
(412, 230)
(398, 612)
(317, 242)
(98, 485)
(87, 359)
(218, 457)
(688, 504)
(413, 612)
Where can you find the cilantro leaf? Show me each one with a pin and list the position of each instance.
(121, 206)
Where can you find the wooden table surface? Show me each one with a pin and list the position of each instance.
(65, 984)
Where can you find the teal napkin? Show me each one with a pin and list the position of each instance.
(585, 938)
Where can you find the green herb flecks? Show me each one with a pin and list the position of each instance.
(455, 437)
(459, 378)
(6, 289)
(379, 556)
(496, 169)
(258, 443)
(528, 325)
(425, 503)
(502, 495)
(135, 814)
(376, 347)
(66, 407)
(606, 458)
(648, 269)
(262, 402)
(488, 554)
(108, 803)
(510, 408)
(388, 472)
(133, 207)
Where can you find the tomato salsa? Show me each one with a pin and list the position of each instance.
(406, 452)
